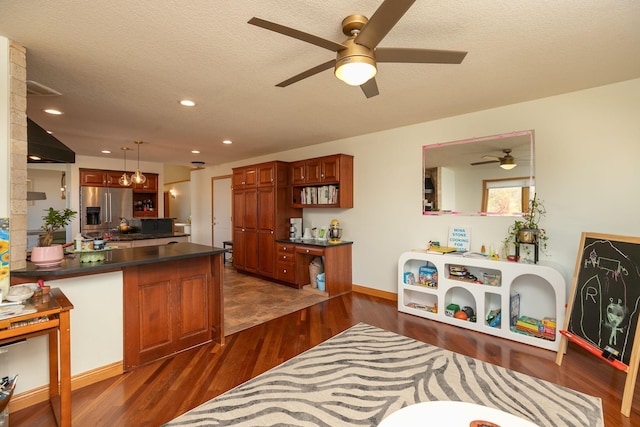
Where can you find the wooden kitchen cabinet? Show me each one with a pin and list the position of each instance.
(323, 182)
(99, 178)
(245, 229)
(244, 177)
(285, 262)
(261, 213)
(169, 307)
(149, 186)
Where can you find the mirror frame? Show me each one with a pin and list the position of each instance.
(432, 174)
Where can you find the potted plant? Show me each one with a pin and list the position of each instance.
(527, 229)
(46, 253)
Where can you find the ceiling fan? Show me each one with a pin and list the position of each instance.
(506, 162)
(357, 57)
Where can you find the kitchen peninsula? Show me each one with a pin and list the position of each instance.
(138, 305)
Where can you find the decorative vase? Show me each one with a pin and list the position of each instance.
(44, 256)
(528, 235)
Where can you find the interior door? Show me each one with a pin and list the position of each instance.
(221, 210)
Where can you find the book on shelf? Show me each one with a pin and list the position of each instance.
(441, 250)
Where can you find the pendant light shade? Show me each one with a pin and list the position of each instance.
(124, 180)
(138, 177)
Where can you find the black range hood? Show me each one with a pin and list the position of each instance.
(46, 147)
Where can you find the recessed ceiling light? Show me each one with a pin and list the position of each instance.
(50, 132)
(187, 103)
(106, 152)
(35, 158)
(53, 111)
(195, 152)
(227, 141)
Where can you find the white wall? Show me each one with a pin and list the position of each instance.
(587, 151)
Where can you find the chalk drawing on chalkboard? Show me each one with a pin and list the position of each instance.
(605, 310)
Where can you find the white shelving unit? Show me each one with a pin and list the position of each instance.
(541, 289)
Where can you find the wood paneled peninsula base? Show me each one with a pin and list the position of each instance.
(143, 303)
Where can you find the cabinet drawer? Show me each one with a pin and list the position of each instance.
(310, 250)
(286, 257)
(285, 248)
(286, 272)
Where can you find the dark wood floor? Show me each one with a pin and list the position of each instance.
(156, 393)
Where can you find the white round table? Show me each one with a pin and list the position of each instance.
(452, 414)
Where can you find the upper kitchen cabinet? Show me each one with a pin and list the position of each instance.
(99, 178)
(149, 186)
(245, 177)
(323, 182)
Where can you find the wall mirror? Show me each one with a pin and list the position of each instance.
(491, 175)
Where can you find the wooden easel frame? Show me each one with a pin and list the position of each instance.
(634, 360)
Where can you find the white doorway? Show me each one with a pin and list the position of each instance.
(221, 197)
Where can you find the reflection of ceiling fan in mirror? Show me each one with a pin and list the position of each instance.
(357, 56)
(506, 162)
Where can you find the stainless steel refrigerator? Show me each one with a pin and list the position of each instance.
(102, 207)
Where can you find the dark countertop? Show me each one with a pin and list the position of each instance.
(143, 236)
(118, 259)
(314, 242)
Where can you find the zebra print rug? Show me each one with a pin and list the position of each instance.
(364, 374)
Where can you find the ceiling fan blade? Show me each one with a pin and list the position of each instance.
(370, 88)
(310, 72)
(430, 56)
(382, 21)
(485, 163)
(297, 34)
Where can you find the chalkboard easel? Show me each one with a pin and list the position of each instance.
(604, 305)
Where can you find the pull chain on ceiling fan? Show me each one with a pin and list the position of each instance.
(357, 57)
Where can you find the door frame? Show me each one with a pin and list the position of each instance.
(213, 199)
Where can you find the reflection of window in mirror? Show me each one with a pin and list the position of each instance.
(506, 196)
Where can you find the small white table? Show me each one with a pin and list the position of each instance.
(451, 414)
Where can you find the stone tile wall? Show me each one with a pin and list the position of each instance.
(18, 147)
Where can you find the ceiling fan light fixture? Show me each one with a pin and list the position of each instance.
(356, 64)
(508, 163)
(356, 70)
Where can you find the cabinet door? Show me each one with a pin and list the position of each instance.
(266, 175)
(298, 172)
(313, 171)
(92, 178)
(331, 169)
(191, 298)
(245, 209)
(251, 251)
(266, 253)
(112, 178)
(149, 186)
(244, 177)
(238, 249)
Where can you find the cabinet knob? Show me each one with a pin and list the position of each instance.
(284, 249)
(307, 250)
(284, 271)
(284, 257)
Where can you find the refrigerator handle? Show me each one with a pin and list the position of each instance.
(110, 212)
(106, 208)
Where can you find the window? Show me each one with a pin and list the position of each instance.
(506, 195)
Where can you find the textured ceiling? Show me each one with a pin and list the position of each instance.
(121, 67)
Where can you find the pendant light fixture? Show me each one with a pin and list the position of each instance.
(124, 180)
(137, 177)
